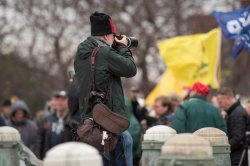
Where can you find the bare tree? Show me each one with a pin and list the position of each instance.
(45, 34)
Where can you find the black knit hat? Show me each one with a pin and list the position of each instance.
(101, 24)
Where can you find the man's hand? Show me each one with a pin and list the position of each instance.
(123, 41)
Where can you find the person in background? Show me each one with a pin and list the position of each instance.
(2, 122)
(6, 110)
(163, 110)
(136, 107)
(139, 110)
(196, 112)
(55, 132)
(42, 116)
(20, 120)
(175, 100)
(247, 107)
(135, 131)
(161, 113)
(132, 97)
(237, 121)
(74, 118)
(44, 122)
(214, 101)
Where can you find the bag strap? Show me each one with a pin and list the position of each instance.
(92, 76)
(93, 67)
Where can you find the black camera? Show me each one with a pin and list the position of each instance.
(132, 41)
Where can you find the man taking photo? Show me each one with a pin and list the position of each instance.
(111, 64)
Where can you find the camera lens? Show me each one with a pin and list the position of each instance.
(132, 42)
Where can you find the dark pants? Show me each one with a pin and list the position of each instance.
(122, 155)
(117, 156)
(235, 159)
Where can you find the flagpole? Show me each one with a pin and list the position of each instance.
(219, 60)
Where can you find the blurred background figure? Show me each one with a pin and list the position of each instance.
(43, 121)
(73, 104)
(175, 100)
(196, 112)
(54, 132)
(51, 106)
(237, 122)
(247, 107)
(19, 118)
(2, 122)
(135, 131)
(163, 111)
(136, 103)
(6, 109)
(138, 108)
(214, 101)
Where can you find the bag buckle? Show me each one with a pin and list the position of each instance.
(104, 137)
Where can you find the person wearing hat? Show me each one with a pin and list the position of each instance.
(52, 127)
(196, 112)
(113, 61)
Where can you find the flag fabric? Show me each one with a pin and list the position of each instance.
(193, 58)
(189, 59)
(167, 85)
(232, 22)
(236, 25)
(242, 41)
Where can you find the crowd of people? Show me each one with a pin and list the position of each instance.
(43, 131)
(223, 111)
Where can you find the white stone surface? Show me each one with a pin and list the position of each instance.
(33, 159)
(9, 134)
(213, 135)
(73, 154)
(159, 133)
(187, 145)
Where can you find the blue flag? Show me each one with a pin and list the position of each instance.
(236, 25)
(232, 23)
(242, 41)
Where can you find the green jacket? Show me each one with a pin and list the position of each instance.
(197, 113)
(134, 130)
(111, 64)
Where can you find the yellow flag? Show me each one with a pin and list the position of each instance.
(167, 85)
(193, 58)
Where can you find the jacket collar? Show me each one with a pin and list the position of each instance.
(98, 41)
(198, 97)
(232, 107)
(22, 123)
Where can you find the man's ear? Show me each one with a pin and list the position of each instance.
(105, 37)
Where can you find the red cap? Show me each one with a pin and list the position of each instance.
(200, 88)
